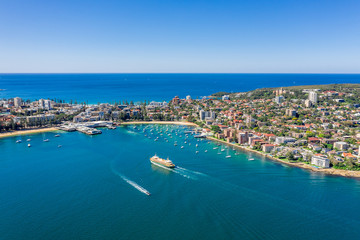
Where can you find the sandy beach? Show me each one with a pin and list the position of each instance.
(331, 171)
(27, 131)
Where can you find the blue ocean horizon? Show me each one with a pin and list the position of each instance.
(111, 87)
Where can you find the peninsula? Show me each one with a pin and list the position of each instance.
(313, 127)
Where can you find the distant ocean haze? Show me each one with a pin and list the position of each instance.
(94, 88)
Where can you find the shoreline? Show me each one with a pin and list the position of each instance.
(328, 171)
(27, 131)
(161, 122)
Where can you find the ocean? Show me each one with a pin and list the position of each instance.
(93, 187)
(94, 88)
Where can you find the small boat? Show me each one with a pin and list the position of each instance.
(57, 135)
(205, 150)
(29, 145)
(182, 146)
(196, 145)
(185, 142)
(59, 146)
(46, 140)
(228, 156)
(251, 159)
(18, 141)
(222, 150)
(219, 152)
(28, 140)
(197, 152)
(215, 148)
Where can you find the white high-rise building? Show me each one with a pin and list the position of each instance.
(42, 103)
(47, 104)
(279, 99)
(313, 97)
(17, 102)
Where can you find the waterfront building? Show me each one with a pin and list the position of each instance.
(40, 118)
(243, 137)
(253, 139)
(267, 147)
(321, 161)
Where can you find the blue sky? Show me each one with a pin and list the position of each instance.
(255, 36)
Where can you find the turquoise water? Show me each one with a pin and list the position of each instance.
(94, 88)
(93, 188)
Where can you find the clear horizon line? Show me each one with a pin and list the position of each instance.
(354, 73)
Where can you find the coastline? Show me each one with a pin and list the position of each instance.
(329, 171)
(28, 131)
(161, 122)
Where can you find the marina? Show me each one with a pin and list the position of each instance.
(108, 180)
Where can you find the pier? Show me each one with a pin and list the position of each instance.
(88, 128)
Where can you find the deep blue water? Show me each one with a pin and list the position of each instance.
(87, 190)
(96, 88)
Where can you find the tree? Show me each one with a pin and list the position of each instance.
(215, 128)
(290, 156)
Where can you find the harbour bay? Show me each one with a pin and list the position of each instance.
(82, 190)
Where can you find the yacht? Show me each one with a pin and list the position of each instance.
(18, 141)
(228, 156)
(46, 140)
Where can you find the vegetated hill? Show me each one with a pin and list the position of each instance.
(335, 86)
(269, 92)
(220, 94)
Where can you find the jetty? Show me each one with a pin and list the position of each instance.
(88, 128)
